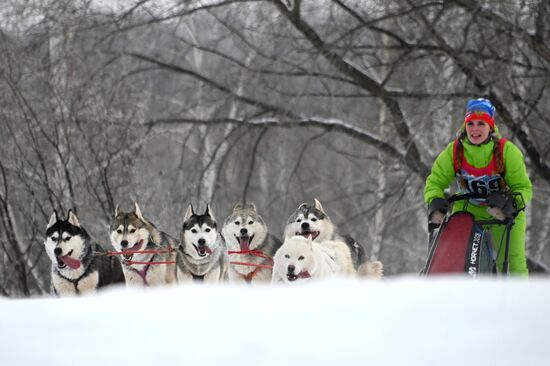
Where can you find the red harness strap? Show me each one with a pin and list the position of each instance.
(255, 253)
(168, 250)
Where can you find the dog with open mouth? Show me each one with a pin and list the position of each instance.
(202, 254)
(149, 254)
(79, 265)
(300, 259)
(312, 221)
(250, 246)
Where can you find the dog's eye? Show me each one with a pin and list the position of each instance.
(194, 231)
(287, 256)
(207, 230)
(301, 258)
(132, 231)
(237, 223)
(299, 220)
(119, 231)
(54, 238)
(67, 238)
(250, 222)
(313, 219)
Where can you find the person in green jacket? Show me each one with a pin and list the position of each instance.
(484, 163)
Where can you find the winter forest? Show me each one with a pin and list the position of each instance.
(274, 102)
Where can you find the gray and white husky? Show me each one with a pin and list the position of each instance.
(131, 232)
(249, 244)
(202, 254)
(78, 264)
(312, 220)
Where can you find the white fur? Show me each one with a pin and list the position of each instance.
(329, 238)
(306, 256)
(87, 284)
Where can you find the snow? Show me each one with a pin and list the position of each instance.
(398, 321)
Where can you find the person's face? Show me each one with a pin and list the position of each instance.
(477, 131)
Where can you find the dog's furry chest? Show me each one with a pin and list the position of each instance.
(64, 286)
(195, 267)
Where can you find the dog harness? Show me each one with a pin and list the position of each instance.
(256, 253)
(143, 272)
(482, 181)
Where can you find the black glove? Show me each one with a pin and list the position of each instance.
(504, 202)
(437, 209)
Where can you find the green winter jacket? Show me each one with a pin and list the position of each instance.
(443, 174)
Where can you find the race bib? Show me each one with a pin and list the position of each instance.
(483, 185)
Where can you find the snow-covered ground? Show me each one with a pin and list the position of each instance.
(399, 321)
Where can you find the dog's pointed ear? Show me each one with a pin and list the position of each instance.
(73, 220)
(303, 205)
(252, 206)
(53, 220)
(118, 211)
(209, 212)
(137, 211)
(318, 205)
(237, 207)
(188, 213)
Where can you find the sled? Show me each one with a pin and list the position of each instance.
(463, 245)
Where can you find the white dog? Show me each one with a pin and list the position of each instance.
(302, 259)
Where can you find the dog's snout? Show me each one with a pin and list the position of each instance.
(58, 251)
(291, 268)
(244, 231)
(202, 241)
(305, 225)
(124, 243)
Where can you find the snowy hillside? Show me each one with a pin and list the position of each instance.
(404, 321)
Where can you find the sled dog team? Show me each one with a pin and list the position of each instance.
(243, 251)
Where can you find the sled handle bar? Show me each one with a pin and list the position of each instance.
(467, 196)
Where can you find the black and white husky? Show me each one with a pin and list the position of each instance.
(312, 221)
(131, 233)
(251, 247)
(78, 264)
(202, 254)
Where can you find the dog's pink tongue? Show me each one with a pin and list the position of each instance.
(71, 262)
(244, 242)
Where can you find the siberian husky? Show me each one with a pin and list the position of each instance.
(78, 264)
(301, 259)
(131, 232)
(312, 220)
(251, 247)
(202, 255)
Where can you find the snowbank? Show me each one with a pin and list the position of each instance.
(403, 321)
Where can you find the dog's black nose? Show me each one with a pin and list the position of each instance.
(244, 231)
(291, 268)
(305, 226)
(124, 243)
(202, 241)
(58, 251)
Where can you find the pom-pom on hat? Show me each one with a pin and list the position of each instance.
(480, 109)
